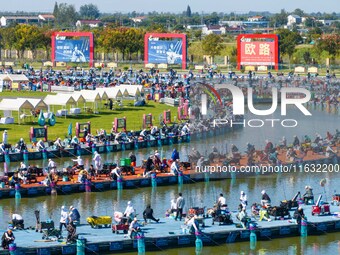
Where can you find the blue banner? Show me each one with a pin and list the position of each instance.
(69, 50)
(165, 52)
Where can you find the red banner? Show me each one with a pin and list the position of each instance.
(257, 53)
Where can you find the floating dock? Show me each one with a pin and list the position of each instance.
(168, 234)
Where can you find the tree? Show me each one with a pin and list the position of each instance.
(55, 10)
(279, 19)
(27, 37)
(212, 45)
(307, 57)
(299, 12)
(66, 16)
(288, 41)
(89, 11)
(188, 13)
(331, 44)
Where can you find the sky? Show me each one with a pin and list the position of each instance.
(177, 6)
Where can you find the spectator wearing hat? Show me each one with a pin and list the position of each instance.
(129, 211)
(63, 218)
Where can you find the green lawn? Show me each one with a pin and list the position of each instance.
(103, 120)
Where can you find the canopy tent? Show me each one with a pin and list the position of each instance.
(91, 96)
(76, 96)
(64, 100)
(132, 89)
(37, 103)
(110, 92)
(15, 104)
(14, 80)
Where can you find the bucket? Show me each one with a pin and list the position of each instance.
(2, 185)
(65, 178)
(12, 247)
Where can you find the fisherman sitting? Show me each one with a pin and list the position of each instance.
(192, 224)
(40, 145)
(265, 199)
(134, 228)
(273, 157)
(17, 221)
(308, 197)
(243, 218)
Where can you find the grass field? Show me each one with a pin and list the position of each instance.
(103, 119)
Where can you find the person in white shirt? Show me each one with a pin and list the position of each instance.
(63, 218)
(221, 202)
(58, 143)
(174, 169)
(97, 159)
(129, 211)
(243, 199)
(17, 220)
(22, 166)
(52, 166)
(80, 162)
(173, 206)
(40, 145)
(154, 130)
(115, 173)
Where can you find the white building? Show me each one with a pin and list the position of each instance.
(215, 29)
(256, 18)
(293, 19)
(90, 23)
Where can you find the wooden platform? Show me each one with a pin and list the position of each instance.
(168, 234)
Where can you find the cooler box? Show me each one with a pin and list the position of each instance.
(122, 162)
(127, 162)
(99, 221)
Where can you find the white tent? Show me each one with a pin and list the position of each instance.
(37, 103)
(15, 104)
(132, 89)
(76, 96)
(91, 96)
(63, 101)
(13, 79)
(111, 92)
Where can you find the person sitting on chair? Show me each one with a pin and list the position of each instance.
(40, 145)
(58, 144)
(265, 201)
(193, 225)
(148, 214)
(17, 221)
(308, 195)
(242, 216)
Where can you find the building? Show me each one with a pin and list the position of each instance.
(32, 20)
(195, 27)
(293, 19)
(257, 18)
(138, 19)
(327, 22)
(90, 23)
(213, 29)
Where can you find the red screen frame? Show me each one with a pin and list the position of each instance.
(166, 35)
(74, 34)
(258, 36)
